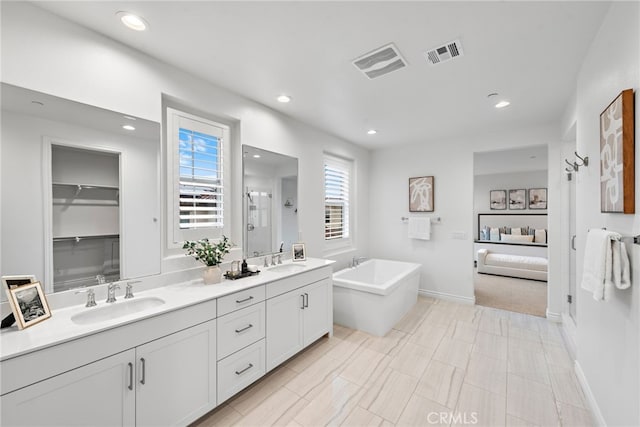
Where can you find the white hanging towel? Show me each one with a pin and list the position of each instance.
(420, 228)
(606, 264)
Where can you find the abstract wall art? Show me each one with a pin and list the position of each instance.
(617, 165)
(421, 194)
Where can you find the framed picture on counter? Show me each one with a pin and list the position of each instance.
(29, 304)
(298, 252)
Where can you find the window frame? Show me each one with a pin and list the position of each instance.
(348, 165)
(175, 234)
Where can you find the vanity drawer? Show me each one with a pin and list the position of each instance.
(240, 370)
(239, 329)
(241, 299)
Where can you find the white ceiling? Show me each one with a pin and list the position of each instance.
(524, 159)
(529, 52)
(38, 104)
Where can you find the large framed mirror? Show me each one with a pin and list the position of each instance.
(80, 192)
(270, 201)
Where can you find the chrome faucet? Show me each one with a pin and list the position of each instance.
(101, 280)
(111, 292)
(129, 290)
(91, 296)
(355, 261)
(266, 263)
(273, 259)
(281, 245)
(279, 258)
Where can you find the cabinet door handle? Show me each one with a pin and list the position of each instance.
(306, 298)
(302, 306)
(244, 329)
(143, 362)
(244, 300)
(245, 369)
(573, 242)
(130, 387)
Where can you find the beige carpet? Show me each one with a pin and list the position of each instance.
(519, 295)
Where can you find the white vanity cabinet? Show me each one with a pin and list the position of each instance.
(98, 394)
(176, 377)
(168, 381)
(298, 317)
(170, 368)
(241, 344)
(156, 371)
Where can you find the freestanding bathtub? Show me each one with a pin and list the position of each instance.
(375, 295)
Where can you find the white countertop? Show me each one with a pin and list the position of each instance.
(60, 328)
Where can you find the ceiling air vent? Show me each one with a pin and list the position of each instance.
(444, 53)
(380, 61)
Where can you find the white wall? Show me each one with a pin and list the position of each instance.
(483, 184)
(447, 261)
(608, 332)
(72, 62)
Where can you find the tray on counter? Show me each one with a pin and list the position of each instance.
(228, 275)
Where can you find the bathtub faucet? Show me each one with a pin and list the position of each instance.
(355, 261)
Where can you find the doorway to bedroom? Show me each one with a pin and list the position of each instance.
(510, 229)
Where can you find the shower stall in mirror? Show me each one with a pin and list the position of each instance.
(270, 201)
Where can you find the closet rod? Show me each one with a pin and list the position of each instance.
(79, 238)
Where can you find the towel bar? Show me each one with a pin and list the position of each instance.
(433, 219)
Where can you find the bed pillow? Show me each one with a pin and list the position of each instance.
(485, 233)
(494, 234)
(516, 239)
(540, 236)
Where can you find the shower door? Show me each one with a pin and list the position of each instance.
(572, 252)
(259, 212)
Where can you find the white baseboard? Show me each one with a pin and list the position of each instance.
(569, 332)
(554, 317)
(591, 400)
(447, 297)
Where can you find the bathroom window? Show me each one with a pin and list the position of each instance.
(337, 210)
(197, 159)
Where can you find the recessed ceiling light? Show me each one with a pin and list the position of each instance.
(494, 99)
(372, 132)
(132, 21)
(284, 98)
(256, 156)
(128, 127)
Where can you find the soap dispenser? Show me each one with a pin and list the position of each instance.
(245, 268)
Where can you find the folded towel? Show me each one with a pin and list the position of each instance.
(606, 264)
(419, 228)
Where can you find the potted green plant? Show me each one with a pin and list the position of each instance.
(210, 254)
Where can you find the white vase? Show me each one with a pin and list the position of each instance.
(212, 275)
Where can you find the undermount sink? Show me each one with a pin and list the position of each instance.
(287, 268)
(115, 310)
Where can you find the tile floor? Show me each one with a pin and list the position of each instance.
(442, 364)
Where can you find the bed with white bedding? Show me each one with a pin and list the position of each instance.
(512, 245)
